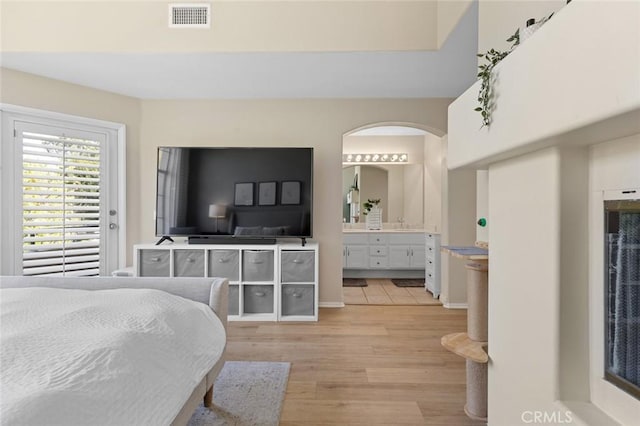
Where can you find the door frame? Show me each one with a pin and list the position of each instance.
(9, 115)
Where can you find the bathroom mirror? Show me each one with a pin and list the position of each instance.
(398, 186)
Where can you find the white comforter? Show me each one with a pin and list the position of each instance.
(109, 357)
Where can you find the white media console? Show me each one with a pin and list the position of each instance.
(274, 282)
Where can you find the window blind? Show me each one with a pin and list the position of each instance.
(61, 205)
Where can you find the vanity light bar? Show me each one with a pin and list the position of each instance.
(376, 158)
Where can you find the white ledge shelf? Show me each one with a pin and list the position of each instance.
(576, 81)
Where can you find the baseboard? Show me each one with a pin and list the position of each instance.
(455, 305)
(331, 305)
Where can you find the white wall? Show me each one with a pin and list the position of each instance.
(248, 26)
(433, 183)
(614, 165)
(458, 228)
(449, 14)
(413, 195)
(482, 204)
(524, 272)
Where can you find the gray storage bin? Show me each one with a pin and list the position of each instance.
(298, 266)
(298, 300)
(225, 264)
(234, 300)
(154, 263)
(258, 299)
(257, 265)
(188, 263)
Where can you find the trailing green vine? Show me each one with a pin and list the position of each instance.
(485, 96)
(485, 73)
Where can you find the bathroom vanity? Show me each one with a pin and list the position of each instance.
(392, 253)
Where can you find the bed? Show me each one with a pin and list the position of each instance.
(109, 351)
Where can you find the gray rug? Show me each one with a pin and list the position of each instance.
(408, 282)
(246, 394)
(354, 282)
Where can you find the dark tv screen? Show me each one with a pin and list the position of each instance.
(240, 192)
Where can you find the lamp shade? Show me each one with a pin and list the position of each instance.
(217, 210)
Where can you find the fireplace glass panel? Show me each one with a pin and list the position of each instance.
(622, 294)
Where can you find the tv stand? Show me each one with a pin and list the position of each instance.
(163, 239)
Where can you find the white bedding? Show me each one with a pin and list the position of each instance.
(109, 357)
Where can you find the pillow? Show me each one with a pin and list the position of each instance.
(248, 230)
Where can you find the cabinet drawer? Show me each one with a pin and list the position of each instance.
(188, 263)
(378, 238)
(430, 252)
(431, 240)
(377, 251)
(298, 266)
(258, 299)
(430, 276)
(298, 300)
(355, 239)
(378, 262)
(257, 265)
(225, 264)
(430, 265)
(234, 300)
(154, 263)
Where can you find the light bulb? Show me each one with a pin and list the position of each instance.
(376, 157)
(349, 157)
(385, 157)
(394, 157)
(403, 157)
(367, 157)
(358, 157)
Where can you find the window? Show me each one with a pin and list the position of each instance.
(61, 204)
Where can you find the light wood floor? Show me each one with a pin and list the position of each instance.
(384, 292)
(363, 365)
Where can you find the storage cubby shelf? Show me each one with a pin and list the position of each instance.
(460, 344)
(275, 282)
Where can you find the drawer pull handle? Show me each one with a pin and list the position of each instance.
(155, 259)
(430, 249)
(190, 260)
(259, 293)
(256, 261)
(297, 295)
(223, 260)
(297, 261)
(377, 251)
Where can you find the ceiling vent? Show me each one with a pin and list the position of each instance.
(190, 15)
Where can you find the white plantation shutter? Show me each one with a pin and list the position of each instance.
(61, 205)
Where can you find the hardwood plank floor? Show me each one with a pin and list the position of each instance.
(381, 291)
(364, 365)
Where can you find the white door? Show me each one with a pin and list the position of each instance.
(66, 200)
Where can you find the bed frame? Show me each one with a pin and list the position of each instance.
(213, 292)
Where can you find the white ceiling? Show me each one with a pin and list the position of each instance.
(443, 73)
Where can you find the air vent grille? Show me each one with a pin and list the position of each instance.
(190, 15)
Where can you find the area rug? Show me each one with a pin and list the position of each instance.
(246, 394)
(354, 282)
(408, 282)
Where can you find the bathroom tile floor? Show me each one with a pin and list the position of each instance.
(384, 292)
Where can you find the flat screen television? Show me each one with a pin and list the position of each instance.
(208, 193)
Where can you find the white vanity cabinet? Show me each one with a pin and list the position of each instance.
(382, 250)
(432, 267)
(276, 282)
